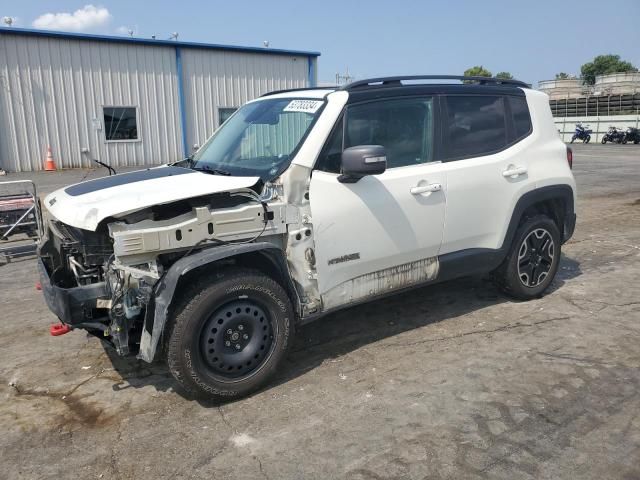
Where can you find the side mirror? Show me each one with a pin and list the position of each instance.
(363, 160)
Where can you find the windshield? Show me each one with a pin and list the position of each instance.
(259, 139)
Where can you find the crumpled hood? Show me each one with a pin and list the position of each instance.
(84, 205)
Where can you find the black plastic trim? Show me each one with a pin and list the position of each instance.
(165, 288)
(73, 306)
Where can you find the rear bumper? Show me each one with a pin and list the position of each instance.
(569, 226)
(73, 306)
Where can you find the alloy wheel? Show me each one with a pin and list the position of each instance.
(535, 257)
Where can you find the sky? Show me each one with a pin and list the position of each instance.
(531, 40)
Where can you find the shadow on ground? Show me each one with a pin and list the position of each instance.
(345, 331)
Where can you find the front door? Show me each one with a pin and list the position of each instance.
(383, 232)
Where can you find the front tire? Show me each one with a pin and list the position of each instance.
(229, 334)
(587, 139)
(604, 140)
(533, 260)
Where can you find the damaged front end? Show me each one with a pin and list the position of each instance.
(85, 289)
(106, 281)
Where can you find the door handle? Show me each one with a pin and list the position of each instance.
(432, 187)
(513, 171)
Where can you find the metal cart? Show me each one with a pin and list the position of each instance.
(20, 219)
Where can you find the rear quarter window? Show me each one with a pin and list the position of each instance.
(520, 116)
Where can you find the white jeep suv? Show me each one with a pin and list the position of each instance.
(304, 202)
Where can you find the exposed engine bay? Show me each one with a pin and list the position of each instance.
(104, 280)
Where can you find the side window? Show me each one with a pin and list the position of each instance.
(403, 126)
(520, 115)
(475, 126)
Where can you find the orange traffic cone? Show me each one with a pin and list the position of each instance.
(49, 165)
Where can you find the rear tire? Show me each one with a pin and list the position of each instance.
(229, 333)
(604, 140)
(587, 139)
(533, 260)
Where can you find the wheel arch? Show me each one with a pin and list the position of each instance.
(263, 256)
(555, 201)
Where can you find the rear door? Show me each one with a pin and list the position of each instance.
(382, 232)
(485, 150)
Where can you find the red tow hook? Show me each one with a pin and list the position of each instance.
(59, 329)
(38, 286)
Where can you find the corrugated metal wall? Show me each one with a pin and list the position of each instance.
(53, 90)
(217, 79)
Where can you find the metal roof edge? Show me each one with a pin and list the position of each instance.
(150, 41)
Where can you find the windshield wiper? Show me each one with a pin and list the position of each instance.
(211, 170)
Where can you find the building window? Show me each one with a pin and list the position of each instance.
(224, 114)
(120, 124)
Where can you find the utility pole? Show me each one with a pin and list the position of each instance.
(344, 79)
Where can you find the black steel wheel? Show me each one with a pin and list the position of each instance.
(229, 333)
(236, 339)
(533, 259)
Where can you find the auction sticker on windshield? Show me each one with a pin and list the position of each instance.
(304, 106)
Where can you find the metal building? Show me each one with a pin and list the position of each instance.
(126, 101)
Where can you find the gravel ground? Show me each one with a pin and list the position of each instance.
(450, 381)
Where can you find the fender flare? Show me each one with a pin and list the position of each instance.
(163, 291)
(551, 192)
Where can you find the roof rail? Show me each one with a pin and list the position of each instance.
(296, 90)
(397, 81)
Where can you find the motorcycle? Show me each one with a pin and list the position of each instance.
(632, 135)
(581, 133)
(613, 135)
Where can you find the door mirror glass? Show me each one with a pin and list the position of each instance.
(362, 160)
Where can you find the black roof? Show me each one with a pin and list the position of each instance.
(422, 84)
(398, 81)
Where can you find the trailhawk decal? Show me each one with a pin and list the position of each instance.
(344, 258)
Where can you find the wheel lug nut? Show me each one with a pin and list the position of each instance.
(237, 346)
(245, 336)
(227, 343)
(240, 327)
(229, 331)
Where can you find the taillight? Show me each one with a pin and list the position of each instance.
(570, 157)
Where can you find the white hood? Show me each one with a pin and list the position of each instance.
(85, 205)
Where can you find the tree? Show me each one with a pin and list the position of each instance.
(504, 75)
(603, 64)
(563, 76)
(477, 71)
